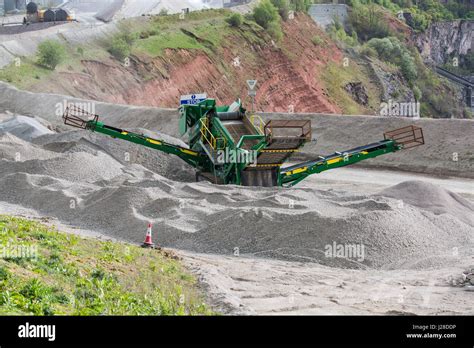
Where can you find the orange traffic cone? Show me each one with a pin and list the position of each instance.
(148, 242)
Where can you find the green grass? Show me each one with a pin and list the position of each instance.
(208, 27)
(62, 274)
(24, 75)
(154, 46)
(29, 73)
(336, 76)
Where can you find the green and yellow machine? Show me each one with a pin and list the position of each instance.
(227, 145)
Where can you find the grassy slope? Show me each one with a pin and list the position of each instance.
(216, 36)
(166, 32)
(213, 37)
(69, 275)
(163, 32)
(335, 77)
(29, 73)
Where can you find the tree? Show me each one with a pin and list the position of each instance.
(265, 13)
(301, 5)
(119, 48)
(50, 54)
(417, 93)
(274, 29)
(408, 67)
(235, 20)
(384, 48)
(368, 22)
(283, 7)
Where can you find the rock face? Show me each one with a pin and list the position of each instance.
(394, 86)
(443, 41)
(358, 92)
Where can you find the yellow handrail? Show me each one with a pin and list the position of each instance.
(261, 123)
(209, 137)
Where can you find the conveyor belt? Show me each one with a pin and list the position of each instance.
(361, 149)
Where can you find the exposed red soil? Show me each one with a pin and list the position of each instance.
(293, 85)
(399, 26)
(287, 73)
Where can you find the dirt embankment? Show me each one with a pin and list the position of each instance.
(288, 72)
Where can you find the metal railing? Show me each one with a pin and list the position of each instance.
(77, 117)
(206, 135)
(407, 137)
(258, 123)
(290, 129)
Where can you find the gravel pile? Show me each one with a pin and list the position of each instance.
(13, 148)
(23, 127)
(432, 198)
(74, 167)
(113, 187)
(120, 151)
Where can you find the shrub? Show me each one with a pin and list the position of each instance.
(35, 290)
(144, 35)
(265, 13)
(468, 113)
(283, 7)
(4, 274)
(301, 5)
(147, 33)
(368, 22)
(408, 67)
(391, 50)
(383, 47)
(119, 48)
(50, 54)
(235, 20)
(337, 32)
(417, 93)
(317, 40)
(127, 36)
(274, 29)
(368, 51)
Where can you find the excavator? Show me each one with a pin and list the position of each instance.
(228, 145)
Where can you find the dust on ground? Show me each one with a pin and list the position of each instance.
(258, 250)
(254, 248)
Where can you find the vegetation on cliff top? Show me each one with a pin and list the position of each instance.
(217, 33)
(424, 12)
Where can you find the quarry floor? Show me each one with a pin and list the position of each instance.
(251, 285)
(257, 250)
(369, 180)
(418, 228)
